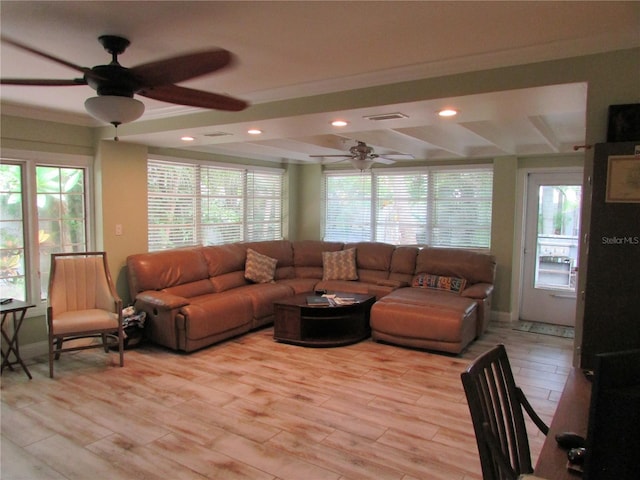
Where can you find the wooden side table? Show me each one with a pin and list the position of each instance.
(18, 310)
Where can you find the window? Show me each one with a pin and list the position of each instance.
(192, 203)
(43, 210)
(347, 207)
(12, 241)
(435, 206)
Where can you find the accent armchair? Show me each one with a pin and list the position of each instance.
(82, 303)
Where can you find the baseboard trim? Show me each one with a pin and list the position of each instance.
(500, 317)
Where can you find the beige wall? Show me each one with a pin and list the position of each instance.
(121, 203)
(121, 168)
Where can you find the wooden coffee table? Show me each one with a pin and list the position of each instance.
(299, 323)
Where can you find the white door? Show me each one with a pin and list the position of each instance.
(551, 248)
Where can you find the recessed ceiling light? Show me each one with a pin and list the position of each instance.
(187, 138)
(254, 131)
(339, 123)
(448, 112)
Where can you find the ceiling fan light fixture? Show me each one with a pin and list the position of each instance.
(361, 164)
(339, 123)
(114, 109)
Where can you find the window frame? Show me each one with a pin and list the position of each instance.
(243, 169)
(28, 160)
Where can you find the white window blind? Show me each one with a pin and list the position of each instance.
(461, 208)
(211, 205)
(171, 204)
(347, 207)
(222, 205)
(401, 207)
(435, 206)
(264, 206)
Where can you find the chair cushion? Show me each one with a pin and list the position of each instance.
(339, 265)
(69, 323)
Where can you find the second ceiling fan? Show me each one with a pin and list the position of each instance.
(362, 156)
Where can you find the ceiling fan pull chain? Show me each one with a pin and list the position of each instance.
(116, 138)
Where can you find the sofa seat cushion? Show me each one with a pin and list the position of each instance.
(428, 297)
(343, 286)
(191, 289)
(346, 286)
(262, 296)
(299, 285)
(213, 314)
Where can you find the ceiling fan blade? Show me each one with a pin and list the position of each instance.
(328, 156)
(42, 82)
(193, 98)
(398, 155)
(386, 161)
(85, 70)
(335, 160)
(177, 69)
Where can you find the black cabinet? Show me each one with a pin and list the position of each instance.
(612, 288)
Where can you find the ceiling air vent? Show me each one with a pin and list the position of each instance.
(386, 116)
(216, 134)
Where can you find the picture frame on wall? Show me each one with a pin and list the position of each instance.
(623, 179)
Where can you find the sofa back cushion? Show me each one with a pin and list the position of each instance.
(164, 269)
(373, 260)
(403, 263)
(307, 257)
(473, 266)
(223, 259)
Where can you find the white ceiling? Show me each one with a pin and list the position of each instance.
(290, 50)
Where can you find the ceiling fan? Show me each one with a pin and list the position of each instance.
(116, 85)
(362, 156)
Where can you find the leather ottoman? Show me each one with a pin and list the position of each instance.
(441, 321)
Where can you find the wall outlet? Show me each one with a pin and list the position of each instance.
(119, 229)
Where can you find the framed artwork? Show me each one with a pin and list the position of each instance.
(623, 179)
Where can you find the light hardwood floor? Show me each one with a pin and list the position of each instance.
(255, 409)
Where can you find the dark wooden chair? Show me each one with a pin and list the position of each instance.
(496, 405)
(82, 303)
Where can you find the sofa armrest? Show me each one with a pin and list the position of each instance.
(161, 300)
(392, 283)
(478, 291)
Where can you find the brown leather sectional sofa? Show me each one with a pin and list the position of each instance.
(195, 297)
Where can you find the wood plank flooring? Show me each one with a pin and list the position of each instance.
(251, 408)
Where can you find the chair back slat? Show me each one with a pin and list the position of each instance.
(497, 416)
